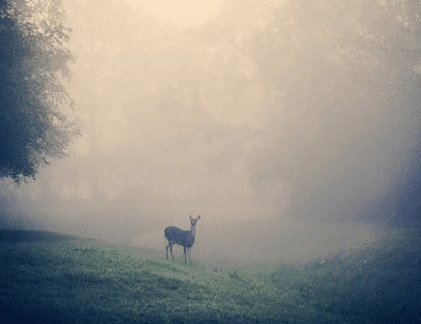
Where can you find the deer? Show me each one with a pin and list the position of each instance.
(178, 236)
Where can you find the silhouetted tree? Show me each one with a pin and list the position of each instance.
(33, 61)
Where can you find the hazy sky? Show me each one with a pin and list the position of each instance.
(187, 13)
(253, 117)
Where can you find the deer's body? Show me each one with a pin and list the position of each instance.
(178, 236)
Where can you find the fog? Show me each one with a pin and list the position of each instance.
(291, 137)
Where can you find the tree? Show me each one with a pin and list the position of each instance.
(341, 82)
(33, 64)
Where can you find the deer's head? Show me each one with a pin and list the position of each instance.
(193, 221)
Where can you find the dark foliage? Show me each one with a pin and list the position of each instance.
(33, 61)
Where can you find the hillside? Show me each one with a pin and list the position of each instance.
(46, 277)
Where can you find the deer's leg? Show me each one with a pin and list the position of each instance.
(171, 245)
(185, 256)
(166, 250)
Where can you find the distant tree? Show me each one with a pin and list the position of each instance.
(33, 63)
(342, 86)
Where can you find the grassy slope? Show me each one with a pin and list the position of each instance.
(46, 277)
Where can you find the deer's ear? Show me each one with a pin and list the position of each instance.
(198, 217)
(191, 217)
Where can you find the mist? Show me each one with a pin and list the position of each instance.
(291, 142)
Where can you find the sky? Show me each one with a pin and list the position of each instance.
(186, 13)
(288, 144)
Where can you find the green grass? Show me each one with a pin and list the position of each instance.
(47, 278)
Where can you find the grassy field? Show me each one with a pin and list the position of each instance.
(50, 278)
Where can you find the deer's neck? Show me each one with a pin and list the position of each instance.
(193, 230)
